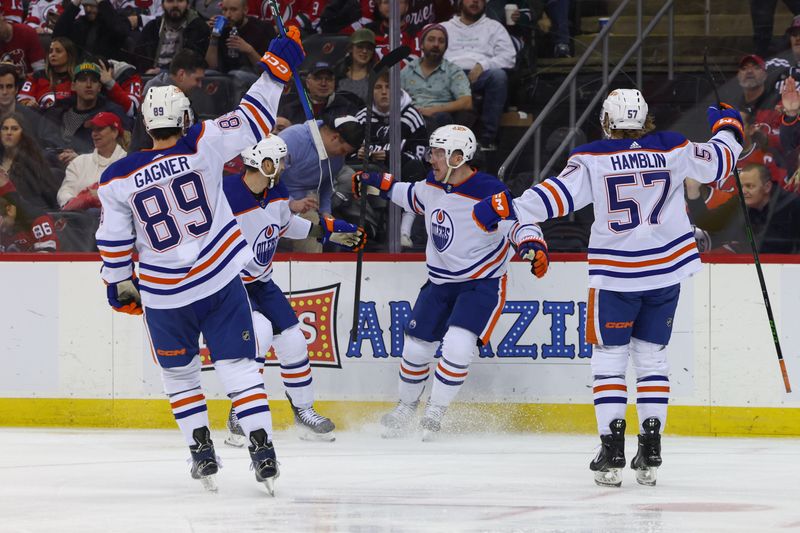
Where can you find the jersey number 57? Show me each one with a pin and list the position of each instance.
(625, 189)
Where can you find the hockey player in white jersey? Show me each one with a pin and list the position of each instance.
(466, 289)
(168, 204)
(641, 247)
(260, 203)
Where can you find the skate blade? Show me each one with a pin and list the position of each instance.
(395, 433)
(237, 441)
(647, 476)
(209, 483)
(308, 435)
(269, 483)
(610, 478)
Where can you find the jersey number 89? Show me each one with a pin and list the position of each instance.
(153, 207)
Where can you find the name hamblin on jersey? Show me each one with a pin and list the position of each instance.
(457, 249)
(169, 205)
(264, 220)
(641, 237)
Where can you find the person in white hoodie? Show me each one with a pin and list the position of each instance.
(79, 189)
(483, 48)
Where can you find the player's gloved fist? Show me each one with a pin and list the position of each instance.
(285, 54)
(342, 233)
(535, 251)
(124, 296)
(491, 210)
(726, 118)
(381, 181)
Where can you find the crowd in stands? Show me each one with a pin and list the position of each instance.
(73, 74)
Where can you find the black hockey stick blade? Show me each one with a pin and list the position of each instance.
(392, 58)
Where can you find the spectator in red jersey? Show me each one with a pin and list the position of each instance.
(20, 45)
(78, 191)
(13, 10)
(44, 87)
(122, 84)
(24, 162)
(340, 16)
(62, 127)
(357, 65)
(23, 227)
(238, 48)
(100, 31)
(178, 28)
(43, 15)
(10, 82)
(380, 27)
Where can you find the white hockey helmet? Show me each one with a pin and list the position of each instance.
(166, 107)
(625, 110)
(454, 137)
(270, 147)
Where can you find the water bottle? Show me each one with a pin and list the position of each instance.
(233, 53)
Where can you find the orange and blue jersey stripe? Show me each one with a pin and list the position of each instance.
(644, 263)
(477, 269)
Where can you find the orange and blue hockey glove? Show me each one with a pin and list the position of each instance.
(284, 56)
(342, 233)
(726, 118)
(381, 181)
(491, 210)
(124, 296)
(535, 251)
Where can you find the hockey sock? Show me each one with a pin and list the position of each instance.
(414, 368)
(244, 385)
(652, 380)
(182, 386)
(292, 353)
(609, 364)
(458, 348)
(263, 328)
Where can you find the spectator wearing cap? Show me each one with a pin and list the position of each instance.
(238, 52)
(10, 84)
(354, 76)
(163, 37)
(309, 180)
(62, 127)
(439, 88)
(100, 30)
(762, 13)
(326, 103)
(186, 72)
(78, 191)
(482, 48)
(19, 44)
(758, 96)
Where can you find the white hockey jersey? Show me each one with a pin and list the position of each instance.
(169, 205)
(458, 250)
(641, 238)
(264, 220)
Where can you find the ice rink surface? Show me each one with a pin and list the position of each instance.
(137, 480)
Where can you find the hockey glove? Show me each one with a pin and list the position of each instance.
(124, 296)
(535, 251)
(284, 56)
(726, 118)
(381, 181)
(342, 233)
(491, 210)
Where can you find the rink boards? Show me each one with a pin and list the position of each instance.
(68, 360)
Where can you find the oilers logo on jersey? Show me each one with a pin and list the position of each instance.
(442, 229)
(266, 243)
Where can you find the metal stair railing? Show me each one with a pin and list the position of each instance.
(569, 83)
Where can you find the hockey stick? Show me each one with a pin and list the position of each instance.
(386, 62)
(301, 91)
(749, 231)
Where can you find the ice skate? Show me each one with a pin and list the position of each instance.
(396, 423)
(648, 456)
(431, 422)
(610, 459)
(204, 460)
(264, 462)
(236, 436)
(313, 426)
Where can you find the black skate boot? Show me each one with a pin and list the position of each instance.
(236, 436)
(611, 457)
(204, 460)
(264, 462)
(313, 425)
(648, 457)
